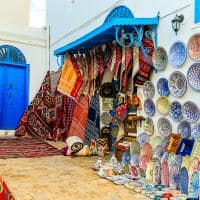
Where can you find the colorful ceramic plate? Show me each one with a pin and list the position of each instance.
(149, 126)
(194, 47)
(196, 131)
(193, 76)
(135, 159)
(184, 129)
(149, 89)
(175, 111)
(190, 111)
(106, 118)
(183, 181)
(158, 152)
(149, 107)
(162, 87)
(135, 147)
(177, 84)
(147, 150)
(177, 54)
(159, 58)
(164, 127)
(162, 105)
(126, 157)
(143, 138)
(155, 141)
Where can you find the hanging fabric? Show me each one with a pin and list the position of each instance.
(54, 78)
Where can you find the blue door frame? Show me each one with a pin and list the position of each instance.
(14, 86)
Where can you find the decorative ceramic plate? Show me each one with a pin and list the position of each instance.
(147, 150)
(194, 47)
(149, 89)
(143, 138)
(149, 126)
(162, 87)
(134, 159)
(158, 152)
(193, 76)
(183, 181)
(194, 185)
(190, 111)
(196, 131)
(159, 58)
(126, 157)
(177, 84)
(165, 173)
(184, 129)
(175, 111)
(162, 105)
(155, 141)
(149, 107)
(164, 143)
(106, 118)
(164, 127)
(177, 54)
(144, 160)
(135, 147)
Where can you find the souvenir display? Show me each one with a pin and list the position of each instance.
(194, 47)
(106, 118)
(190, 111)
(184, 129)
(143, 138)
(162, 105)
(185, 147)
(173, 142)
(159, 58)
(164, 127)
(196, 131)
(183, 181)
(177, 84)
(162, 87)
(193, 76)
(149, 89)
(175, 111)
(165, 173)
(177, 54)
(194, 186)
(149, 107)
(149, 126)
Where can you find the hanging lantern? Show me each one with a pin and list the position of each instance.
(176, 22)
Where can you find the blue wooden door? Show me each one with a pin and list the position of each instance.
(13, 90)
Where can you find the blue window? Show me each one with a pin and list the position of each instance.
(196, 11)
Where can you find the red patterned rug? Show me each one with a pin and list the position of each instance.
(26, 147)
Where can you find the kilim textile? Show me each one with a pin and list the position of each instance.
(79, 118)
(54, 78)
(26, 147)
(5, 193)
(92, 125)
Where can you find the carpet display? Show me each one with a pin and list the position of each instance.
(26, 147)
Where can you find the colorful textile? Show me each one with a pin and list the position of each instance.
(79, 118)
(54, 78)
(37, 120)
(26, 147)
(5, 193)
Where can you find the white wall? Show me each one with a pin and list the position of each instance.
(32, 42)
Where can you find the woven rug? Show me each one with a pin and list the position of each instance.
(26, 147)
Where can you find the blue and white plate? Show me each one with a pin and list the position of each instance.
(177, 54)
(183, 181)
(149, 89)
(184, 129)
(143, 138)
(196, 131)
(126, 157)
(190, 111)
(164, 127)
(177, 84)
(149, 107)
(175, 111)
(193, 76)
(162, 87)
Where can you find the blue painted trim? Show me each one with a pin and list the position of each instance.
(196, 11)
(106, 32)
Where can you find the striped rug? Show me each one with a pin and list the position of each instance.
(26, 147)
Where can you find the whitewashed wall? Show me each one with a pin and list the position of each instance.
(32, 42)
(69, 21)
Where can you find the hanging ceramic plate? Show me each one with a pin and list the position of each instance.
(162, 87)
(193, 76)
(194, 185)
(149, 107)
(190, 111)
(177, 84)
(177, 54)
(134, 159)
(196, 131)
(162, 105)
(106, 118)
(194, 47)
(149, 89)
(165, 173)
(159, 58)
(158, 152)
(147, 150)
(183, 181)
(155, 141)
(143, 138)
(135, 147)
(175, 111)
(149, 126)
(126, 157)
(164, 127)
(173, 177)
(184, 129)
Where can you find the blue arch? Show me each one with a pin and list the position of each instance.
(11, 54)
